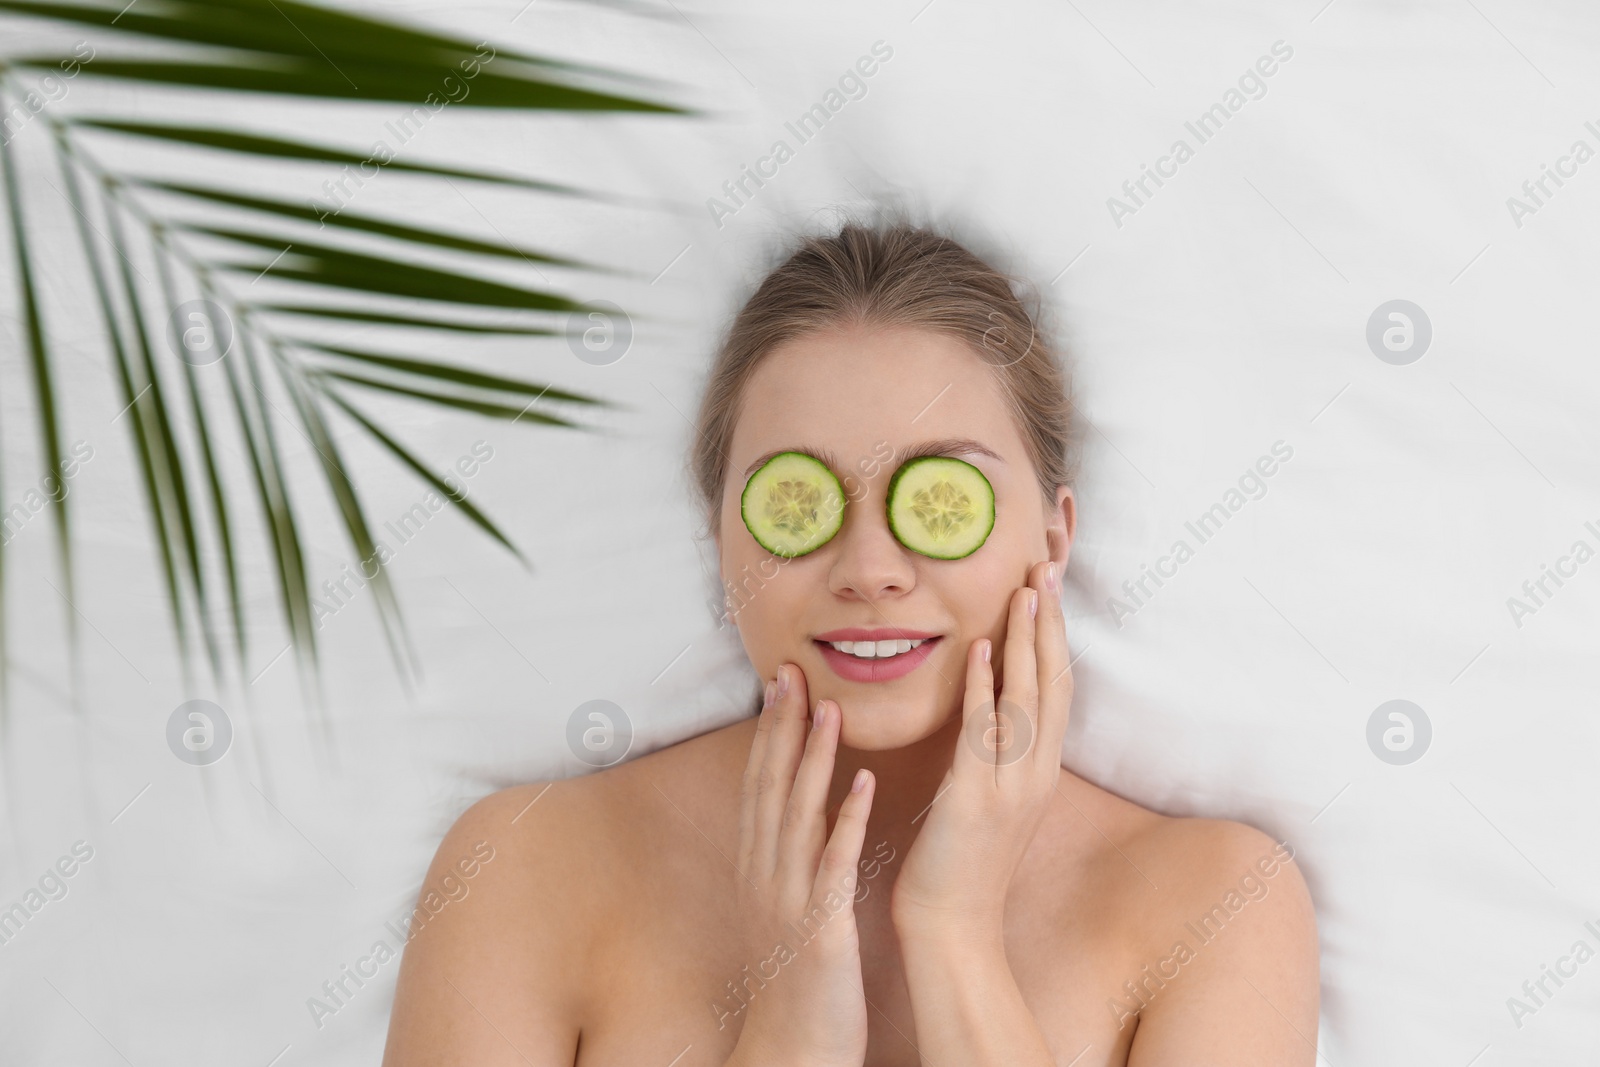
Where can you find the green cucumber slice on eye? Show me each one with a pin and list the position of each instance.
(793, 504)
(941, 507)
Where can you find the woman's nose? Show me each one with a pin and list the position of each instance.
(868, 561)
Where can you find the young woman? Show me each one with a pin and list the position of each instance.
(887, 865)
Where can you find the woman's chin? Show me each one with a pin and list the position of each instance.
(876, 728)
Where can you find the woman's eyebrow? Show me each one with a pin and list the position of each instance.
(951, 446)
(943, 446)
(810, 450)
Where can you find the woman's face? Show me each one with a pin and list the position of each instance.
(868, 396)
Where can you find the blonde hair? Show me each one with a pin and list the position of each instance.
(891, 274)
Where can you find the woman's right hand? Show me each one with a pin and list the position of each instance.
(813, 1011)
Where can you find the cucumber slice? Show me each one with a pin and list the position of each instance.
(793, 504)
(940, 506)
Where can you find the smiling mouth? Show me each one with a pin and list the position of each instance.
(877, 651)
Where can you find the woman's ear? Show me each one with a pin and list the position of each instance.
(1062, 527)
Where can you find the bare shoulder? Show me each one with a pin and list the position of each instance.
(1178, 860)
(501, 964)
(497, 936)
(1225, 877)
(1223, 958)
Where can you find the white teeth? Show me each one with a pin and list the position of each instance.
(876, 649)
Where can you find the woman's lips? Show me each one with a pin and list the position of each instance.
(854, 669)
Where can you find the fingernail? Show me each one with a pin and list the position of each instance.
(1050, 577)
(783, 682)
(1033, 603)
(860, 782)
(816, 716)
(987, 646)
(766, 699)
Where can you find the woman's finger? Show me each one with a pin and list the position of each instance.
(841, 857)
(752, 766)
(775, 777)
(979, 730)
(1055, 671)
(805, 821)
(1018, 699)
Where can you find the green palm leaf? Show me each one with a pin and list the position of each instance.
(477, 406)
(457, 375)
(299, 260)
(218, 500)
(350, 314)
(290, 30)
(38, 350)
(292, 49)
(166, 459)
(365, 224)
(130, 395)
(350, 509)
(276, 508)
(280, 148)
(432, 479)
(355, 81)
(403, 276)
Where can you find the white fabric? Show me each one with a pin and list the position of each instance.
(1225, 314)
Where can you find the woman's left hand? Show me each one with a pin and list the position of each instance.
(1005, 767)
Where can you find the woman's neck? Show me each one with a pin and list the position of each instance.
(908, 780)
